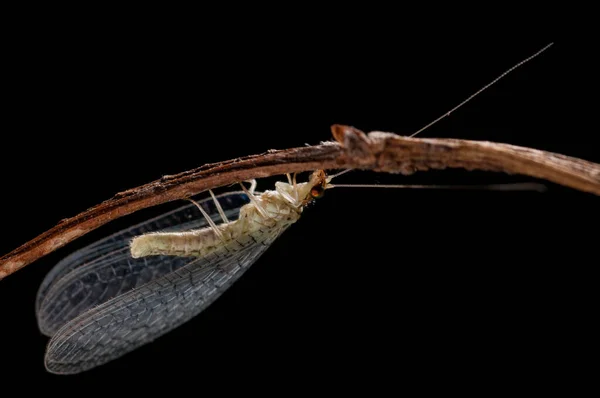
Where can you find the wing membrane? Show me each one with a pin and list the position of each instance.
(137, 317)
(105, 269)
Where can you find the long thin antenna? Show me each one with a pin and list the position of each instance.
(331, 177)
(482, 89)
(526, 186)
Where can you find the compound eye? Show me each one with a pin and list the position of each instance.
(317, 191)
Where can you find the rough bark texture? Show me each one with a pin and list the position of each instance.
(377, 151)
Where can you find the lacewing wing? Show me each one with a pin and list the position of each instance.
(99, 303)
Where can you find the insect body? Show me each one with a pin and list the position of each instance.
(267, 215)
(124, 291)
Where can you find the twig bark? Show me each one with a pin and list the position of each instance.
(377, 151)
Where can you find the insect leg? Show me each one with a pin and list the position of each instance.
(254, 200)
(208, 219)
(252, 185)
(294, 185)
(219, 208)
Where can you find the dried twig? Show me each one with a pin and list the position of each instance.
(377, 151)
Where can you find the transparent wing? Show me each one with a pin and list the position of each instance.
(137, 317)
(103, 270)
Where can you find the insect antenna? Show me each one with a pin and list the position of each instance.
(331, 177)
(527, 186)
(482, 89)
(492, 187)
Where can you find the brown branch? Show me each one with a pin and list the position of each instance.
(382, 152)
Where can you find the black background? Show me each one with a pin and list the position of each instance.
(371, 287)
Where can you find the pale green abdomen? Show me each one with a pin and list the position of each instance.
(249, 229)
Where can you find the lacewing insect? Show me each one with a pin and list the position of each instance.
(112, 296)
(128, 289)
